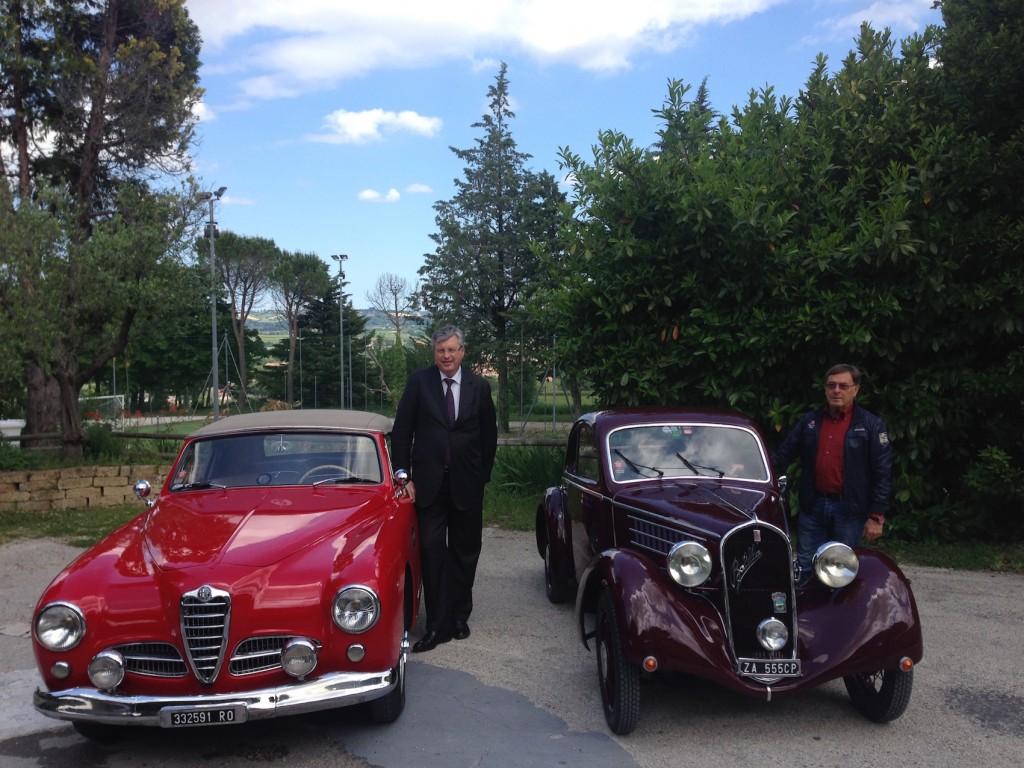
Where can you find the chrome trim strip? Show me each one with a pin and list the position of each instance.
(333, 690)
(674, 521)
(571, 480)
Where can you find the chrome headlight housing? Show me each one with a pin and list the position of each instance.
(355, 609)
(106, 670)
(59, 627)
(689, 563)
(772, 634)
(299, 657)
(835, 564)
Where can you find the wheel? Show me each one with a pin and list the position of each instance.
(620, 681)
(881, 696)
(387, 708)
(101, 733)
(555, 585)
(323, 468)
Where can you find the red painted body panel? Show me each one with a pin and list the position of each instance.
(282, 553)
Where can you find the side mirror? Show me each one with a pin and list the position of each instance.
(142, 489)
(783, 484)
(401, 478)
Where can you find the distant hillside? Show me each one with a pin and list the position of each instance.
(270, 321)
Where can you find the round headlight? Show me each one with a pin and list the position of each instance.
(835, 564)
(299, 657)
(772, 634)
(689, 563)
(60, 627)
(106, 670)
(355, 609)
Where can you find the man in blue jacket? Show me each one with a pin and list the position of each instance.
(846, 468)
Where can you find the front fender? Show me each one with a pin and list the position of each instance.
(656, 616)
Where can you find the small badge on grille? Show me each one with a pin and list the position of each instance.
(204, 593)
(779, 602)
(757, 535)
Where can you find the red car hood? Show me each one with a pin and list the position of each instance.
(252, 526)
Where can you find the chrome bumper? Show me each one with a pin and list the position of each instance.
(339, 689)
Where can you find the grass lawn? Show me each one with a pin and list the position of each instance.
(77, 527)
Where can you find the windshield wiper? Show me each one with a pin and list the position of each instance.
(195, 486)
(634, 466)
(693, 467)
(346, 479)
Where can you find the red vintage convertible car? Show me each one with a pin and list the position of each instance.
(672, 527)
(277, 572)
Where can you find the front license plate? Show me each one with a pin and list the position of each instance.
(770, 667)
(190, 717)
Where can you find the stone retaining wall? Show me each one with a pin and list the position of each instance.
(75, 487)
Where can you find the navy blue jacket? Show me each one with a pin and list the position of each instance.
(867, 461)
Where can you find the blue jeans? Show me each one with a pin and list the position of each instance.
(827, 520)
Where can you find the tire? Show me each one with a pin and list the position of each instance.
(101, 733)
(881, 696)
(619, 680)
(387, 708)
(555, 585)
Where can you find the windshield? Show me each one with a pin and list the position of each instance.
(278, 458)
(653, 451)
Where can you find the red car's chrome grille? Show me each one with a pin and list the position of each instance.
(204, 626)
(257, 654)
(153, 659)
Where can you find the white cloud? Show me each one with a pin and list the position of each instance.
(203, 113)
(344, 127)
(232, 200)
(373, 196)
(419, 189)
(901, 16)
(301, 45)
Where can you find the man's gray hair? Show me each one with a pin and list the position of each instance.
(853, 370)
(446, 332)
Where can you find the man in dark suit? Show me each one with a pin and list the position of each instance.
(445, 434)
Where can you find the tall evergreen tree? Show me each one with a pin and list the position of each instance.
(488, 240)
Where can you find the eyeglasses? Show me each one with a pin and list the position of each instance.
(840, 385)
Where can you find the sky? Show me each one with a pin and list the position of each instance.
(331, 122)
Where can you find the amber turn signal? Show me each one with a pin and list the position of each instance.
(906, 664)
(650, 664)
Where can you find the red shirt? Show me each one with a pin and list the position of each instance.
(828, 463)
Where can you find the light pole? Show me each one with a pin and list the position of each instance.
(341, 258)
(211, 234)
(300, 372)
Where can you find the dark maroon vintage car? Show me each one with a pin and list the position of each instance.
(672, 528)
(276, 572)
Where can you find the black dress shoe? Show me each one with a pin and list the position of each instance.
(430, 641)
(461, 630)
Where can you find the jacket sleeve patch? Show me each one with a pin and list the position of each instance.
(883, 438)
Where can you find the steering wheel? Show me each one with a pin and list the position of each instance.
(322, 469)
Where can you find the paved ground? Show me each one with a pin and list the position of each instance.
(521, 691)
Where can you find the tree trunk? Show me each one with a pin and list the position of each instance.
(293, 335)
(238, 326)
(42, 405)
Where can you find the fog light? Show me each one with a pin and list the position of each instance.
(106, 670)
(299, 657)
(772, 634)
(60, 670)
(356, 652)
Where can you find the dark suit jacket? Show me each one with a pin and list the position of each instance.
(420, 437)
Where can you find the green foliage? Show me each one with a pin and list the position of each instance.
(527, 470)
(489, 238)
(867, 221)
(100, 443)
(395, 374)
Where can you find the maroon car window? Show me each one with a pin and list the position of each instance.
(653, 451)
(587, 462)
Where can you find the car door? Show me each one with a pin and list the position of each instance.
(586, 505)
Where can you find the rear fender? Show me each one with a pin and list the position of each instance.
(553, 525)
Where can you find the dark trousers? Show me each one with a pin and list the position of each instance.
(450, 541)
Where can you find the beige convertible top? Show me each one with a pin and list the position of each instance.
(304, 419)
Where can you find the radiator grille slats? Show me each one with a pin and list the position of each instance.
(204, 627)
(653, 536)
(153, 659)
(258, 654)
